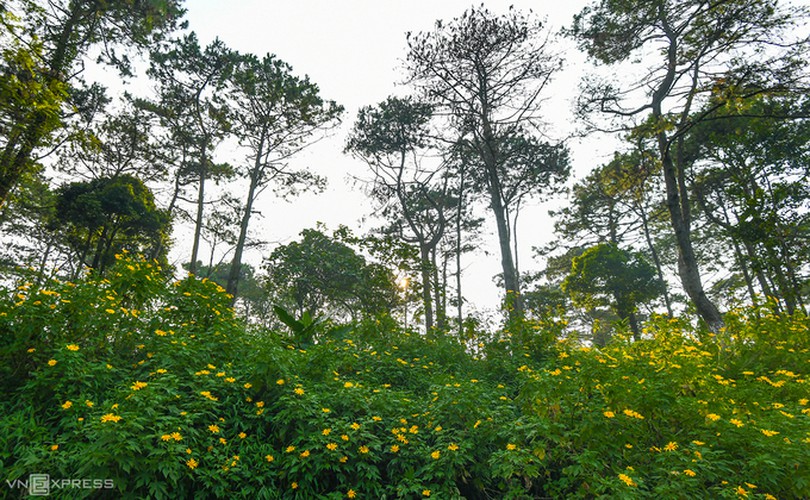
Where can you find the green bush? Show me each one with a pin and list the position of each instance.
(159, 388)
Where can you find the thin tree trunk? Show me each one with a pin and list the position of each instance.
(459, 213)
(424, 264)
(198, 222)
(656, 259)
(487, 149)
(437, 291)
(236, 263)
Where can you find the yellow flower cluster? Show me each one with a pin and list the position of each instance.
(633, 414)
(208, 395)
(627, 480)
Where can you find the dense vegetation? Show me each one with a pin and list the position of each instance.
(157, 386)
(660, 349)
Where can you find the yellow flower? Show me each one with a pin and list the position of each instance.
(294, 485)
(290, 449)
(633, 414)
(242, 435)
(299, 391)
(269, 458)
(425, 493)
(259, 404)
(213, 428)
(741, 491)
(394, 448)
(223, 440)
(208, 395)
(698, 443)
(31, 350)
(689, 472)
(230, 380)
(280, 381)
(438, 428)
(325, 410)
(736, 422)
(363, 449)
(713, 417)
(54, 447)
(110, 311)
(109, 417)
(176, 436)
(348, 385)
(376, 418)
(343, 459)
(436, 454)
(326, 432)
(671, 446)
(67, 404)
(627, 480)
(452, 447)
(138, 385)
(331, 446)
(609, 414)
(769, 433)
(161, 370)
(52, 362)
(192, 464)
(72, 347)
(247, 385)
(160, 333)
(511, 447)
(305, 454)
(351, 494)
(344, 437)
(355, 426)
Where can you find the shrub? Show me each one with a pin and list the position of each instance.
(159, 388)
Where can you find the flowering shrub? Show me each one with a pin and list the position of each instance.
(157, 387)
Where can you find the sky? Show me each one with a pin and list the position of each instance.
(353, 50)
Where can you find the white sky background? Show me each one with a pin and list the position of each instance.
(352, 49)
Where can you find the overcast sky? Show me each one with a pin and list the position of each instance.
(353, 50)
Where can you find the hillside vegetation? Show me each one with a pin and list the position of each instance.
(158, 387)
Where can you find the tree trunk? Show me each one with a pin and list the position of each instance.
(236, 264)
(424, 265)
(198, 222)
(687, 261)
(633, 320)
(459, 212)
(510, 282)
(656, 259)
(437, 291)
(677, 200)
